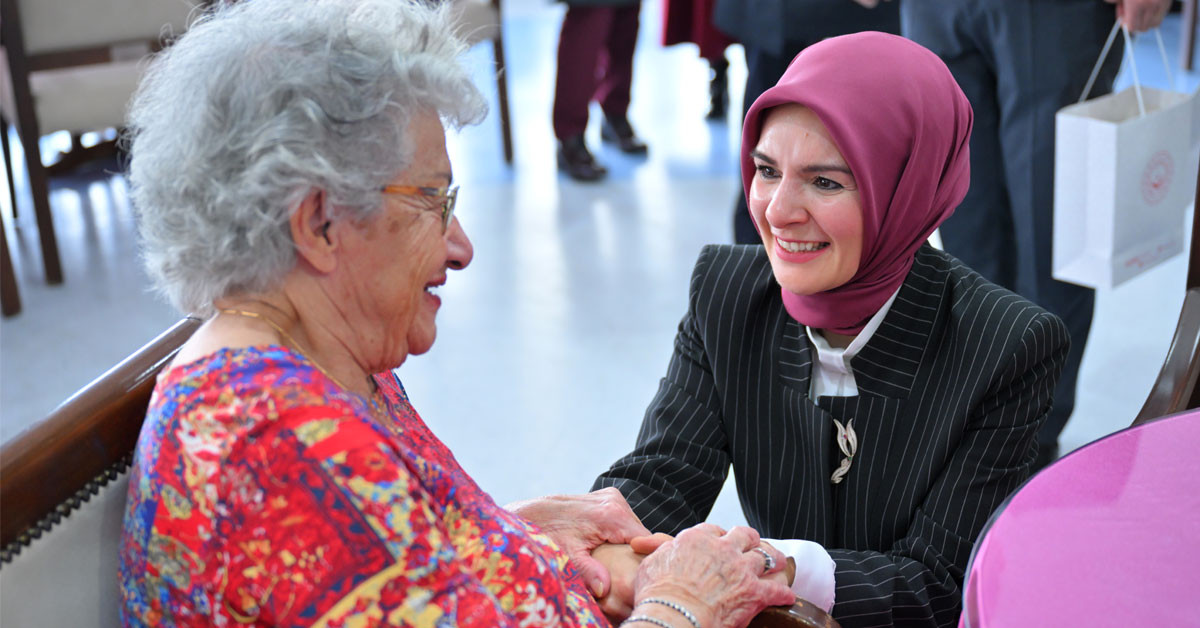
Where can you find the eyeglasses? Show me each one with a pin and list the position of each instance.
(448, 196)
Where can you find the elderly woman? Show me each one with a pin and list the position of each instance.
(876, 398)
(290, 172)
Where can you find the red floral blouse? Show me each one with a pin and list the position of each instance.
(264, 494)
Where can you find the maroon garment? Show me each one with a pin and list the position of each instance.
(902, 124)
(690, 22)
(595, 62)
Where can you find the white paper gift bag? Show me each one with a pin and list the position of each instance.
(1124, 176)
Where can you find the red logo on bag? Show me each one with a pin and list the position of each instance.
(1149, 259)
(1156, 179)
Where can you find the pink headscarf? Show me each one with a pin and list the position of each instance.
(902, 124)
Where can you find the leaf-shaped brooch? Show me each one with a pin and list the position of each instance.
(847, 441)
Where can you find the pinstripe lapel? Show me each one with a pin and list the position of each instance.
(888, 364)
(805, 510)
(794, 355)
(884, 372)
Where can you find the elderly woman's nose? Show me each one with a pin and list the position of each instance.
(459, 250)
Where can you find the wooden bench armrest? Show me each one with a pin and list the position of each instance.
(88, 438)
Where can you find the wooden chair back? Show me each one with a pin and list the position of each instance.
(71, 66)
(1175, 390)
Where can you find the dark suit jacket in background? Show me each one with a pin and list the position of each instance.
(778, 25)
(952, 387)
(601, 3)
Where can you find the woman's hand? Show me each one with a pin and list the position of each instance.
(622, 562)
(580, 523)
(721, 577)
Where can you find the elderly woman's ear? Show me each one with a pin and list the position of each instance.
(314, 233)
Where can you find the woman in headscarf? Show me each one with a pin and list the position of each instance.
(292, 184)
(876, 398)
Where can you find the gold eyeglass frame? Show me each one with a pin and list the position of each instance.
(448, 196)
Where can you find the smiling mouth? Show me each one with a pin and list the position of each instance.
(801, 247)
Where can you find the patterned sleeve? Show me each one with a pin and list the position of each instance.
(324, 524)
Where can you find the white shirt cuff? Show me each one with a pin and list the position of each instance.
(814, 570)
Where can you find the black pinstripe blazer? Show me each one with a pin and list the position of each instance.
(952, 388)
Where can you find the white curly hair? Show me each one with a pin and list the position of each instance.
(263, 101)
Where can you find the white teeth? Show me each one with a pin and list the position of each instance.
(432, 289)
(798, 247)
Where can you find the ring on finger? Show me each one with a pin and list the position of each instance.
(768, 559)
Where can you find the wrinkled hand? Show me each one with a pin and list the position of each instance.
(1141, 15)
(870, 4)
(622, 562)
(579, 524)
(717, 575)
(647, 545)
(786, 575)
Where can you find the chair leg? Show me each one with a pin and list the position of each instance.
(10, 295)
(1187, 43)
(502, 86)
(27, 130)
(12, 187)
(39, 188)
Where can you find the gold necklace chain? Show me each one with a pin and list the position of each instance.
(292, 341)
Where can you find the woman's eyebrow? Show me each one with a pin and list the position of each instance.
(809, 169)
(755, 154)
(826, 168)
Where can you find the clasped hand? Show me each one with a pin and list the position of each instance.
(720, 576)
(580, 523)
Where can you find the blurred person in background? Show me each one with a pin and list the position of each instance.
(690, 21)
(595, 63)
(1019, 62)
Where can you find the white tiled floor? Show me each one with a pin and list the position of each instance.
(553, 341)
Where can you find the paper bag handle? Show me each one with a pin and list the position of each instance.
(1137, 84)
(1112, 36)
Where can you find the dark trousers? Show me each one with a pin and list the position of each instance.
(1019, 62)
(763, 71)
(595, 62)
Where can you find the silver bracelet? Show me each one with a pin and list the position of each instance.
(650, 620)
(675, 606)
